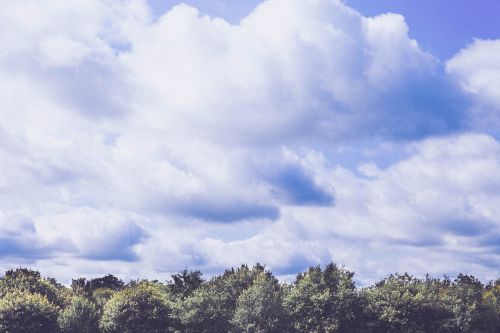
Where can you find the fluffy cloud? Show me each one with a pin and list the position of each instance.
(130, 139)
(439, 203)
(96, 234)
(288, 70)
(477, 68)
(18, 236)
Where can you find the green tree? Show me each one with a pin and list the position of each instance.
(101, 296)
(80, 316)
(491, 299)
(259, 308)
(86, 287)
(210, 308)
(324, 301)
(402, 303)
(26, 280)
(24, 312)
(185, 282)
(464, 299)
(140, 307)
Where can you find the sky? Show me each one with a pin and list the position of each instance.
(140, 138)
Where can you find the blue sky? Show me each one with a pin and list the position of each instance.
(441, 27)
(140, 138)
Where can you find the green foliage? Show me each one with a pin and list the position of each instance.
(30, 281)
(87, 287)
(210, 308)
(80, 316)
(259, 308)
(464, 299)
(492, 296)
(101, 296)
(24, 312)
(140, 307)
(491, 300)
(402, 303)
(324, 301)
(249, 300)
(185, 282)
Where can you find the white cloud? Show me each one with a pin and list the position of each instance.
(432, 212)
(96, 234)
(126, 138)
(393, 54)
(63, 52)
(289, 69)
(477, 69)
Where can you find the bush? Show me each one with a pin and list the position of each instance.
(139, 308)
(23, 312)
(80, 316)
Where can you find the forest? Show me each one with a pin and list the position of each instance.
(250, 299)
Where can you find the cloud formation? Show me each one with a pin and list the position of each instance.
(130, 138)
(438, 203)
(477, 69)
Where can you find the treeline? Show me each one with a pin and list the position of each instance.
(248, 299)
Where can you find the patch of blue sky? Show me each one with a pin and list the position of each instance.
(441, 27)
(231, 11)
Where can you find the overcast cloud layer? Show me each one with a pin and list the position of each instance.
(307, 133)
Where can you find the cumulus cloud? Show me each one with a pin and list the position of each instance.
(437, 204)
(18, 236)
(477, 68)
(130, 138)
(96, 234)
(290, 69)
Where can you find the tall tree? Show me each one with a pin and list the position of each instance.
(324, 301)
(140, 307)
(24, 312)
(402, 303)
(210, 308)
(26, 280)
(185, 282)
(259, 308)
(471, 312)
(79, 316)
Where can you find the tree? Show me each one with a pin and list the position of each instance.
(84, 286)
(80, 316)
(324, 301)
(185, 282)
(140, 307)
(402, 303)
(491, 298)
(101, 296)
(24, 312)
(99, 290)
(26, 280)
(210, 308)
(464, 299)
(259, 308)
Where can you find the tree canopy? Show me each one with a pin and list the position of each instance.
(249, 299)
